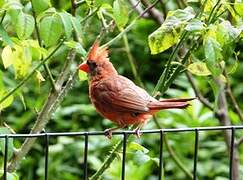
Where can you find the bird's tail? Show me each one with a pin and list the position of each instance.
(170, 104)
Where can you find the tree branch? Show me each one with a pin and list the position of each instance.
(154, 13)
(222, 115)
(52, 102)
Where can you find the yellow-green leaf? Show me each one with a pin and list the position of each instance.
(239, 7)
(7, 57)
(120, 13)
(7, 102)
(199, 68)
(82, 76)
(39, 77)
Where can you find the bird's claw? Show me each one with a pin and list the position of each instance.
(108, 133)
(138, 133)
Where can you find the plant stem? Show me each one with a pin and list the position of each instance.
(129, 27)
(131, 61)
(4, 14)
(31, 73)
(40, 44)
(164, 75)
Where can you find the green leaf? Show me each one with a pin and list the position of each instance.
(10, 176)
(212, 51)
(51, 30)
(4, 36)
(7, 56)
(4, 130)
(76, 25)
(161, 39)
(199, 69)
(67, 23)
(238, 6)
(133, 146)
(82, 76)
(77, 46)
(13, 5)
(120, 13)
(195, 25)
(168, 34)
(40, 5)
(24, 25)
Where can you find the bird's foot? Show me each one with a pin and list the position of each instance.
(138, 132)
(108, 133)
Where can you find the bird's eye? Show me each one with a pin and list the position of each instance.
(92, 65)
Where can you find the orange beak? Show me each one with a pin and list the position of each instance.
(84, 67)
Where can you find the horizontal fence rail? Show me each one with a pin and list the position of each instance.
(160, 132)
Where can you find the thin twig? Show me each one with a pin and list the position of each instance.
(129, 27)
(40, 44)
(231, 96)
(154, 13)
(198, 93)
(132, 61)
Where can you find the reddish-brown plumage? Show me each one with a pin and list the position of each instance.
(118, 98)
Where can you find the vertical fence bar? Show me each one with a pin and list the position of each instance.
(124, 155)
(5, 158)
(46, 155)
(232, 145)
(161, 170)
(86, 156)
(196, 146)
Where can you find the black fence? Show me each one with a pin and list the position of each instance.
(125, 134)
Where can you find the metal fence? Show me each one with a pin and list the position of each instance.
(125, 134)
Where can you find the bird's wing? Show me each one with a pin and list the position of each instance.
(121, 94)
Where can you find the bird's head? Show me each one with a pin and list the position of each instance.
(97, 62)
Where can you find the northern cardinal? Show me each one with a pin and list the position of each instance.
(116, 97)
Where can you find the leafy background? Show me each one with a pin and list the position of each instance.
(214, 30)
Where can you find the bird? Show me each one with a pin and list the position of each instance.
(117, 98)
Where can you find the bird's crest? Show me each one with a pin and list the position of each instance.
(98, 53)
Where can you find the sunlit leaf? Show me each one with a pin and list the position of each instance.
(7, 102)
(39, 77)
(22, 62)
(120, 13)
(82, 76)
(238, 6)
(7, 56)
(24, 25)
(51, 30)
(168, 34)
(199, 69)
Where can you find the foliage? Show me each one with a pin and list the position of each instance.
(37, 41)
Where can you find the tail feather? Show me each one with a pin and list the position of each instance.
(170, 104)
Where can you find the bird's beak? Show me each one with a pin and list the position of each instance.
(84, 67)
